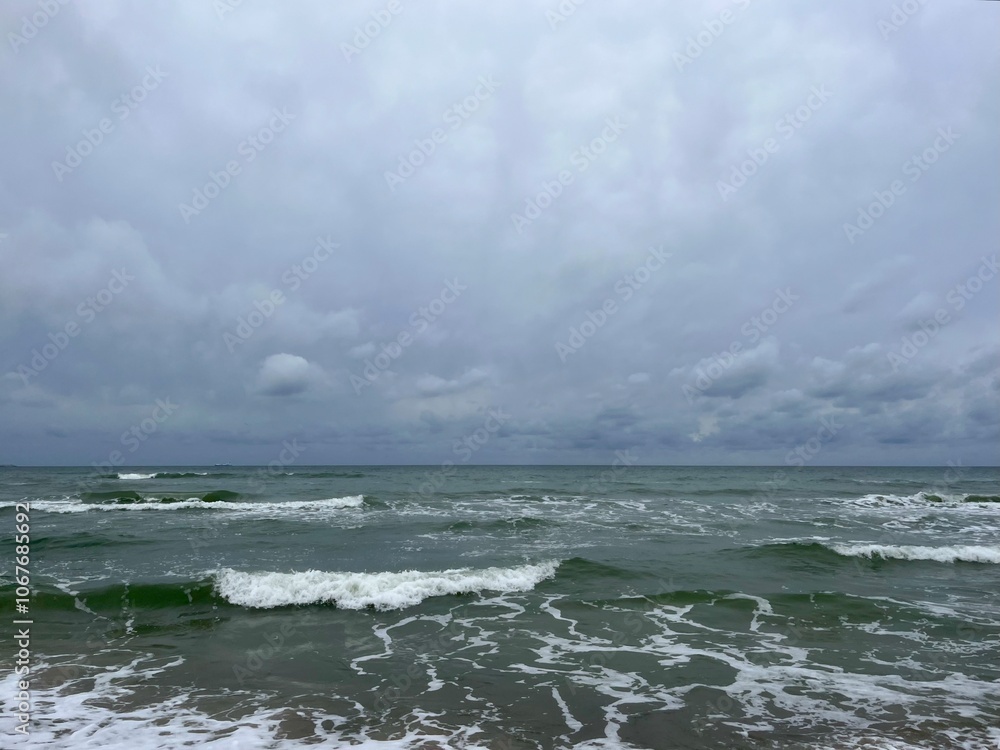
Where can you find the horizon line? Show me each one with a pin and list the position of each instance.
(522, 465)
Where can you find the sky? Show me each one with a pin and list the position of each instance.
(539, 232)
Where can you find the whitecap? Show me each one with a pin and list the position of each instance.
(196, 503)
(383, 591)
(961, 553)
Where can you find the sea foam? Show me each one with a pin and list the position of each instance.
(964, 553)
(162, 475)
(924, 498)
(383, 591)
(153, 504)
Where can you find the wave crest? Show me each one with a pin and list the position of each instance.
(162, 475)
(824, 551)
(210, 501)
(382, 591)
(924, 498)
(962, 553)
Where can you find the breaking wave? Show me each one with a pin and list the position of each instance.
(162, 475)
(382, 591)
(963, 553)
(826, 551)
(218, 500)
(923, 498)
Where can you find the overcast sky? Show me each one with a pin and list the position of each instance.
(711, 233)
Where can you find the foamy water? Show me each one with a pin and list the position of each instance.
(518, 607)
(973, 554)
(379, 590)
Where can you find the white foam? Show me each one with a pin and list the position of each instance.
(763, 608)
(68, 718)
(162, 474)
(920, 499)
(101, 708)
(153, 504)
(990, 740)
(382, 591)
(351, 501)
(963, 553)
(571, 721)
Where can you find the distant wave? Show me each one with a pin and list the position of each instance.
(514, 523)
(825, 551)
(919, 499)
(383, 591)
(112, 597)
(131, 497)
(722, 492)
(962, 553)
(582, 569)
(163, 475)
(332, 473)
(931, 497)
(76, 539)
(218, 500)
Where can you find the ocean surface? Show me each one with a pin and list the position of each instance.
(506, 607)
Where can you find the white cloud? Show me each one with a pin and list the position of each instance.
(285, 375)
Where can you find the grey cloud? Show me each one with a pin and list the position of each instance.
(432, 385)
(285, 375)
(198, 321)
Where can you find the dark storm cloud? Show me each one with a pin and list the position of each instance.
(363, 227)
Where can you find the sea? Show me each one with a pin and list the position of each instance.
(504, 607)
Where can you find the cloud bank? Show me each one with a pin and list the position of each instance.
(693, 235)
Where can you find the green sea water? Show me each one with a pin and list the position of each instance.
(506, 607)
